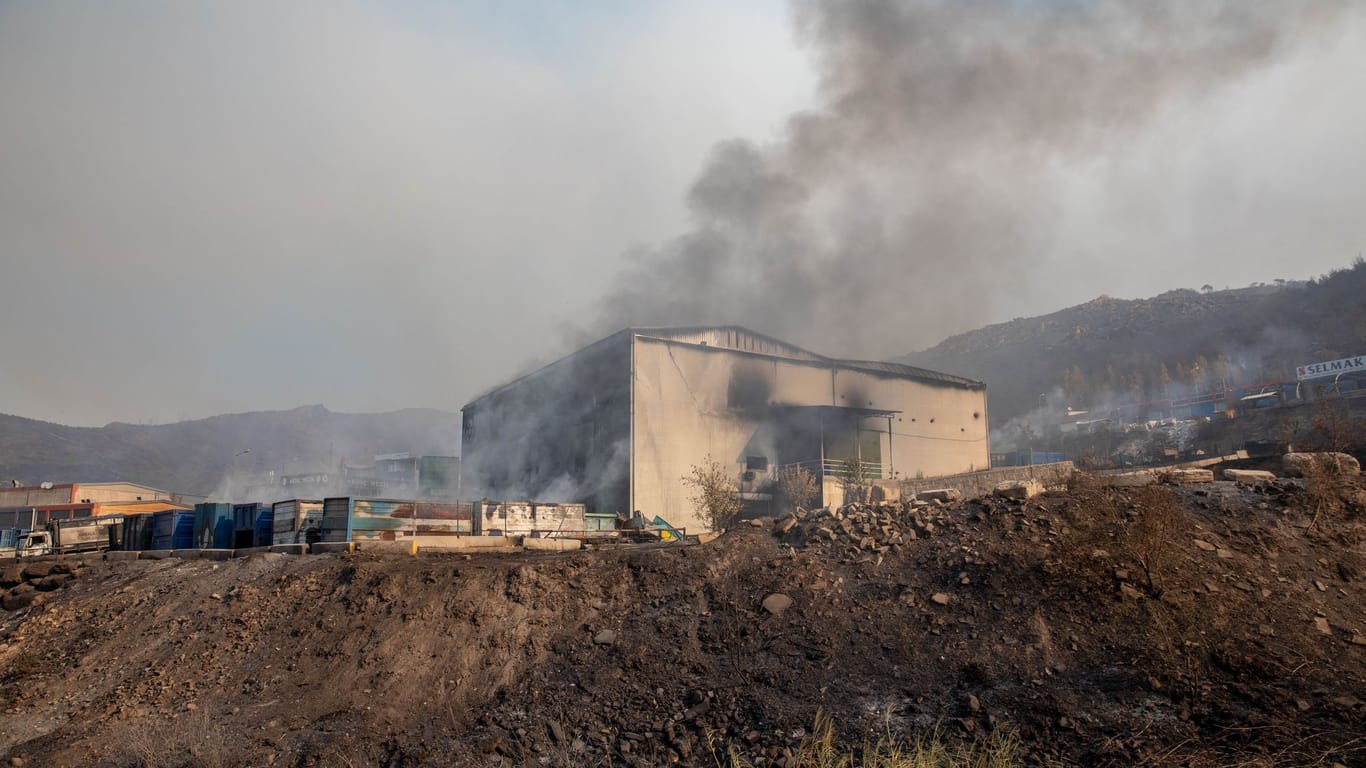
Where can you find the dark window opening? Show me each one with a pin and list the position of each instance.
(756, 463)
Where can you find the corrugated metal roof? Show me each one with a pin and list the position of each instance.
(909, 371)
(741, 339)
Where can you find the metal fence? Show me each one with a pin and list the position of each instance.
(843, 469)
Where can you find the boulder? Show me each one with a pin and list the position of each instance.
(1302, 464)
(940, 494)
(1019, 489)
(53, 582)
(35, 571)
(17, 598)
(605, 637)
(11, 576)
(941, 598)
(776, 603)
(1249, 476)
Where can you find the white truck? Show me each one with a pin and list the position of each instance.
(60, 537)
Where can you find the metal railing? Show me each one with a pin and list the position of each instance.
(869, 470)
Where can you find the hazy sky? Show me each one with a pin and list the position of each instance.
(214, 207)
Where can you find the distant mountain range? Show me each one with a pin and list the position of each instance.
(1181, 341)
(193, 457)
(1103, 349)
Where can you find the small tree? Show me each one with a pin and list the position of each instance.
(714, 492)
(1334, 428)
(854, 476)
(796, 486)
(1152, 537)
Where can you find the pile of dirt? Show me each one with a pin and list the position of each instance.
(1159, 625)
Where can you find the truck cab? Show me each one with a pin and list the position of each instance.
(34, 544)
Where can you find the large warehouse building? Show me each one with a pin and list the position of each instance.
(618, 424)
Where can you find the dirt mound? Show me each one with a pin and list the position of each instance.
(1098, 626)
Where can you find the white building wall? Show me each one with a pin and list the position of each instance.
(940, 430)
(681, 413)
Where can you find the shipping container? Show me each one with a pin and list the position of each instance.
(348, 518)
(137, 532)
(529, 518)
(290, 520)
(173, 529)
(600, 523)
(213, 525)
(252, 525)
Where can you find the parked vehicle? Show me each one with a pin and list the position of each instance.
(83, 534)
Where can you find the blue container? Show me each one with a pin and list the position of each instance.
(213, 525)
(173, 529)
(251, 525)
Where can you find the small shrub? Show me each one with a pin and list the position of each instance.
(714, 492)
(1333, 427)
(1324, 482)
(1154, 536)
(24, 664)
(820, 749)
(796, 486)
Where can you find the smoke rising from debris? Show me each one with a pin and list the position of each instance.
(935, 175)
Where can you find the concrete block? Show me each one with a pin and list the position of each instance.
(185, 554)
(940, 494)
(1019, 489)
(154, 554)
(1249, 476)
(402, 547)
(216, 554)
(249, 551)
(290, 549)
(121, 555)
(884, 490)
(324, 547)
(465, 543)
(1187, 476)
(1299, 464)
(551, 545)
(1136, 479)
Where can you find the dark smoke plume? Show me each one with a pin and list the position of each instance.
(929, 181)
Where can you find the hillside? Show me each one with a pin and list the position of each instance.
(1181, 340)
(193, 456)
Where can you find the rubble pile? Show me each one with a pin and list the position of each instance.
(866, 529)
(22, 584)
(1019, 613)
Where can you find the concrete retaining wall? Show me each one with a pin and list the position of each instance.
(975, 484)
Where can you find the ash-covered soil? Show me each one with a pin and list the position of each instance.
(1194, 625)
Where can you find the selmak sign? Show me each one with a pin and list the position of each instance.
(1332, 367)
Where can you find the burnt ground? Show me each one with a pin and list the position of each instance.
(1194, 625)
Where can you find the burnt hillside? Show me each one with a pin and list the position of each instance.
(1182, 339)
(192, 456)
(1222, 626)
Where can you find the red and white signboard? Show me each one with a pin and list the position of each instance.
(1332, 368)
